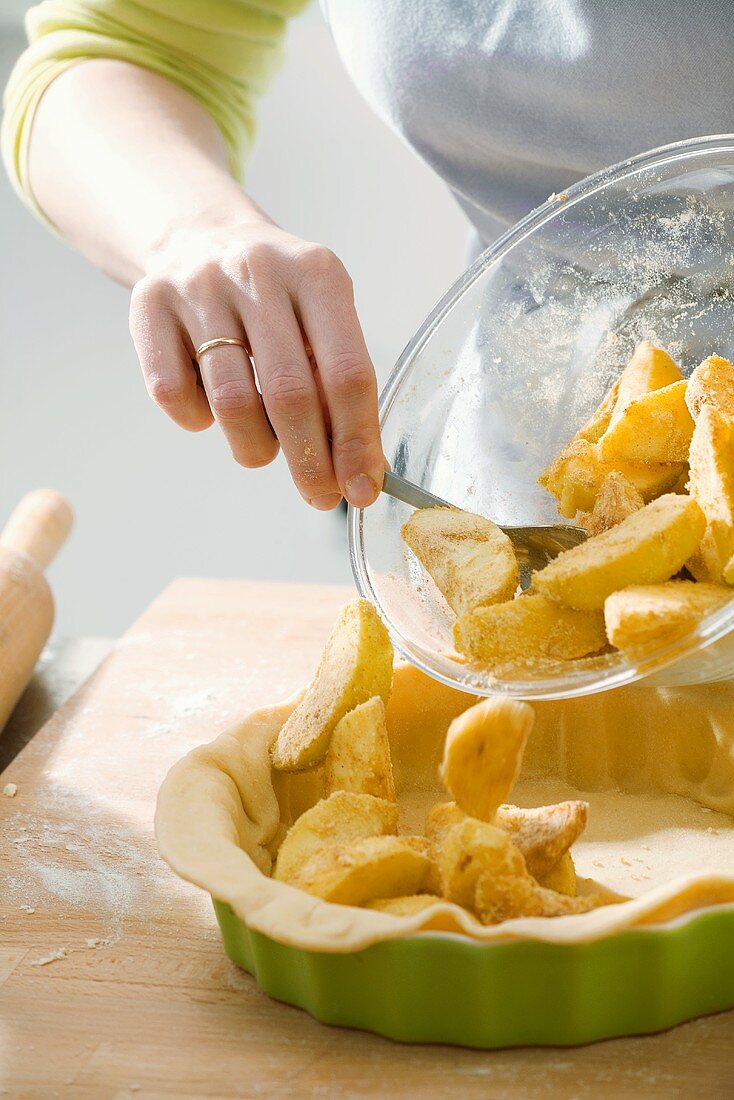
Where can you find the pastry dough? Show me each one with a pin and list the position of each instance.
(657, 767)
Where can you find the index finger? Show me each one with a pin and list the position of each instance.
(349, 383)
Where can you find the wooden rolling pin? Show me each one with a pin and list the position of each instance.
(33, 535)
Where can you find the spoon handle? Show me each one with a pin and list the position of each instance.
(398, 487)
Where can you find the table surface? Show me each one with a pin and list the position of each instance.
(143, 1002)
(63, 666)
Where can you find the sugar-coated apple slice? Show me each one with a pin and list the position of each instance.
(356, 664)
(650, 368)
(712, 384)
(529, 629)
(561, 877)
(404, 906)
(574, 477)
(481, 869)
(356, 873)
(338, 819)
(655, 427)
(468, 850)
(651, 479)
(617, 499)
(711, 484)
(358, 757)
(642, 617)
(543, 833)
(501, 898)
(483, 753)
(647, 548)
(598, 422)
(439, 820)
(470, 559)
(577, 476)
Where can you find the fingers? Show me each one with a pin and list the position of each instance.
(291, 397)
(169, 374)
(322, 409)
(326, 307)
(229, 382)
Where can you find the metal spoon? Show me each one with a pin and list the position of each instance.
(534, 546)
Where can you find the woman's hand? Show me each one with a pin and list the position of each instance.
(135, 174)
(243, 277)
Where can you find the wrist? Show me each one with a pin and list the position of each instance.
(220, 215)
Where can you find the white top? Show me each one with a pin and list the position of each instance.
(510, 100)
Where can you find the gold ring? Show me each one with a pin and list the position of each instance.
(220, 342)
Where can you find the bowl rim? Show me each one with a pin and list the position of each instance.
(715, 625)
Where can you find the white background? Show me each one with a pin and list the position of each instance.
(153, 502)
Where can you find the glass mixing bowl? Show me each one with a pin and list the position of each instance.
(516, 357)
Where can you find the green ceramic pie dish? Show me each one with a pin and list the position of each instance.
(444, 988)
(667, 843)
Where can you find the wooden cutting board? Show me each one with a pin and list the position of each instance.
(141, 1001)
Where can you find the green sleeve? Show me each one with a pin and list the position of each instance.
(222, 52)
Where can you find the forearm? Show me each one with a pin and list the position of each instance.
(121, 160)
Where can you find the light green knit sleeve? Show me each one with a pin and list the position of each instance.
(222, 52)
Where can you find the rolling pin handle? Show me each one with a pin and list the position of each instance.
(38, 526)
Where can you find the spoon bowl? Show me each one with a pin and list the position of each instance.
(534, 546)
